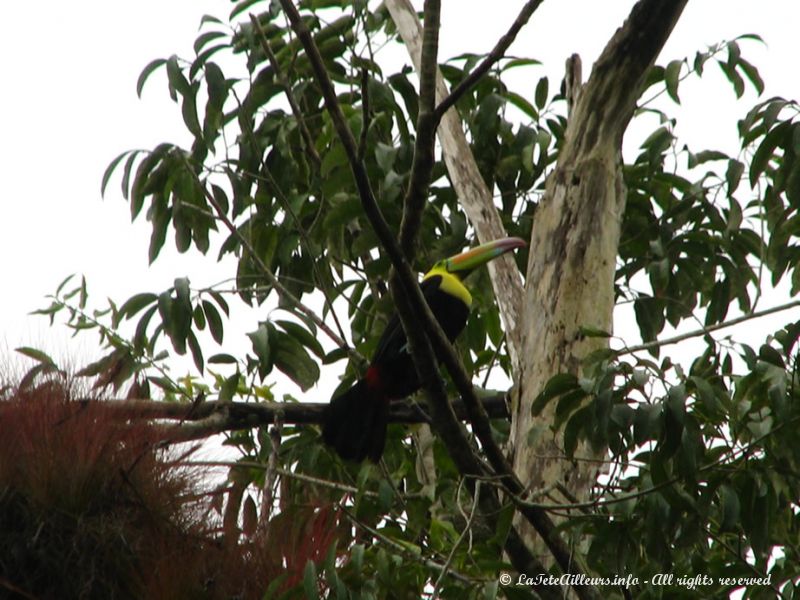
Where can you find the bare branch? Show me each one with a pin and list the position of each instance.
(366, 195)
(487, 63)
(706, 330)
(322, 284)
(573, 80)
(422, 164)
(246, 415)
(457, 445)
(271, 475)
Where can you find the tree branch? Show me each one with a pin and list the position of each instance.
(245, 415)
(487, 63)
(367, 197)
(706, 330)
(413, 311)
(460, 450)
(474, 196)
(575, 239)
(422, 164)
(607, 101)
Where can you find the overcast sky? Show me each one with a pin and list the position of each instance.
(69, 106)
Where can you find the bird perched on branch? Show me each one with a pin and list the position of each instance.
(355, 421)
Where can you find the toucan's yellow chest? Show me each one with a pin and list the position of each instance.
(450, 284)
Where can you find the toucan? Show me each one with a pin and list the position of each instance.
(355, 420)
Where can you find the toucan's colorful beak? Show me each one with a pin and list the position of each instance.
(480, 255)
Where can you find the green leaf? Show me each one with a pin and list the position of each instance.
(731, 508)
(385, 495)
(575, 427)
(136, 303)
(220, 300)
(125, 182)
(558, 384)
(385, 156)
(522, 103)
(520, 62)
(240, 7)
(199, 318)
(302, 335)
(63, 283)
(160, 217)
(140, 337)
(734, 77)
(214, 321)
(672, 76)
(197, 352)
(310, 581)
(229, 387)
(110, 170)
(733, 175)
(705, 156)
(177, 82)
(217, 89)
(37, 355)
(751, 72)
(540, 96)
(357, 557)
(146, 72)
(222, 359)
(260, 339)
(766, 150)
(209, 19)
(206, 37)
(294, 361)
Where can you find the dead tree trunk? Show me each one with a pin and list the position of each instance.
(570, 278)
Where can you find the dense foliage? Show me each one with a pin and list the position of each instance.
(702, 472)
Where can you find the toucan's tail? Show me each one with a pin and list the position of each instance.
(355, 423)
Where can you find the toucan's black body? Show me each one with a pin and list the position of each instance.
(393, 362)
(355, 422)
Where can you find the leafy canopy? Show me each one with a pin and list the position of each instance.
(702, 473)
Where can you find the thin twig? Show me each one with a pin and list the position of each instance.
(451, 556)
(706, 330)
(735, 454)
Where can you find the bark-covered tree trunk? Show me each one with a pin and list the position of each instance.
(570, 278)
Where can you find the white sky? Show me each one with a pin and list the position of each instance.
(69, 106)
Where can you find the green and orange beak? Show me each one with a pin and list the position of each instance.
(463, 264)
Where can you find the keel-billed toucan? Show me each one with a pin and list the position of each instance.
(355, 421)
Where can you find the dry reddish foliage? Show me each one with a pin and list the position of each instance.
(92, 506)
